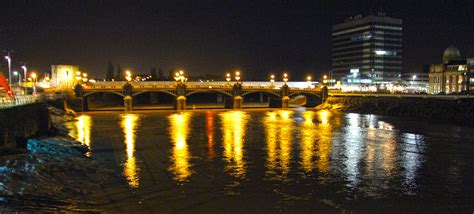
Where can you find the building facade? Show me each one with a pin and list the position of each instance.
(64, 76)
(367, 47)
(453, 76)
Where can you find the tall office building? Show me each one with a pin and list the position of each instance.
(367, 49)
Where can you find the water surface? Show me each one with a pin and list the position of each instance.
(283, 160)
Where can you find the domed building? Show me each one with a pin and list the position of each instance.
(451, 54)
(453, 76)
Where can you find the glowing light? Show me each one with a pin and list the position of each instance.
(233, 128)
(81, 130)
(179, 131)
(129, 123)
(278, 129)
(237, 76)
(307, 142)
(210, 133)
(285, 77)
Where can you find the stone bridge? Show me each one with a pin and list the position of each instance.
(233, 93)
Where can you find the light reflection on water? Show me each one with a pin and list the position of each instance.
(81, 130)
(357, 150)
(129, 124)
(179, 128)
(233, 129)
(278, 130)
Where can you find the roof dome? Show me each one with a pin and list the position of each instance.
(451, 53)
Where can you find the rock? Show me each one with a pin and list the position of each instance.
(56, 146)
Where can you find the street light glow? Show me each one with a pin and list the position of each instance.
(237, 76)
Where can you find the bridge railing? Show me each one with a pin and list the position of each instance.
(6, 102)
(190, 86)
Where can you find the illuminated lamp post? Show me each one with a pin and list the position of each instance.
(23, 67)
(9, 61)
(285, 78)
(15, 73)
(128, 75)
(272, 80)
(228, 78)
(180, 90)
(285, 100)
(308, 79)
(237, 76)
(33, 77)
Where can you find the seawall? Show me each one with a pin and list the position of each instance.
(19, 123)
(459, 111)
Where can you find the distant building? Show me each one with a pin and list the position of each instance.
(367, 48)
(64, 76)
(453, 76)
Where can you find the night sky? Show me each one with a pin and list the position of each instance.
(213, 37)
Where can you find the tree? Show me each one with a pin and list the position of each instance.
(118, 76)
(153, 73)
(110, 72)
(160, 74)
(171, 74)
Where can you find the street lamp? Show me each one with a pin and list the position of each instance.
(285, 78)
(413, 79)
(33, 77)
(23, 67)
(15, 73)
(228, 78)
(9, 60)
(272, 79)
(128, 75)
(308, 79)
(237, 76)
(179, 77)
(176, 76)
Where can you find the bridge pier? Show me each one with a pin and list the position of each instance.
(181, 103)
(285, 102)
(238, 100)
(128, 104)
(84, 104)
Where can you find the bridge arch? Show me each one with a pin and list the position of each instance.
(103, 92)
(273, 93)
(102, 100)
(208, 91)
(312, 99)
(157, 91)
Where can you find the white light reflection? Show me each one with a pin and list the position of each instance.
(129, 125)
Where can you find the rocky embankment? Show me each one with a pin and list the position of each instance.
(51, 173)
(459, 111)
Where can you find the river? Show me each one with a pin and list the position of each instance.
(278, 160)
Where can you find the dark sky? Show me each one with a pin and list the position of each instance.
(212, 37)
